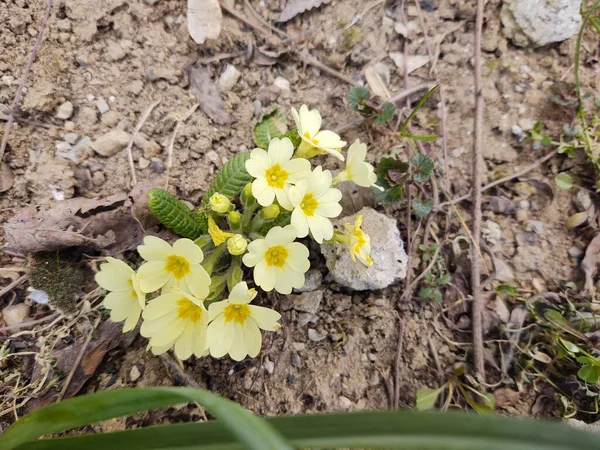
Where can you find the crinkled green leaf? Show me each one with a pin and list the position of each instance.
(421, 209)
(564, 181)
(271, 125)
(389, 195)
(356, 96)
(173, 214)
(424, 167)
(388, 110)
(231, 179)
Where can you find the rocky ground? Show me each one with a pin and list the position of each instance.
(102, 65)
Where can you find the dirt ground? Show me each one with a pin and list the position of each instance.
(131, 53)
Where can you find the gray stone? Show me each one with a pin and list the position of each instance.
(269, 365)
(296, 361)
(111, 143)
(62, 146)
(102, 105)
(229, 78)
(298, 346)
(15, 314)
(157, 165)
(64, 111)
(387, 250)
(308, 302)
(63, 25)
(540, 22)
(312, 281)
(283, 85)
(314, 335)
(257, 105)
(71, 138)
(305, 318)
(593, 427)
(504, 271)
(143, 163)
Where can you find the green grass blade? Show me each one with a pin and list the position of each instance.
(416, 109)
(238, 423)
(399, 430)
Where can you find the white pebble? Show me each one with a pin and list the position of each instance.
(102, 105)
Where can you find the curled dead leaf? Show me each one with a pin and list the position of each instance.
(7, 179)
(99, 224)
(295, 7)
(204, 19)
(413, 62)
(499, 205)
(576, 220)
(376, 83)
(589, 265)
(208, 96)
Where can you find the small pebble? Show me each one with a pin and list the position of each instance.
(257, 105)
(143, 163)
(575, 252)
(213, 156)
(345, 403)
(269, 365)
(63, 25)
(516, 130)
(64, 111)
(102, 105)
(296, 361)
(15, 314)
(157, 165)
(71, 138)
(304, 319)
(298, 346)
(62, 147)
(69, 125)
(283, 85)
(314, 335)
(90, 98)
(229, 78)
(134, 373)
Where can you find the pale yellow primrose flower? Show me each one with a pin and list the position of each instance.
(360, 243)
(314, 202)
(278, 261)
(219, 203)
(172, 266)
(176, 320)
(235, 324)
(274, 171)
(217, 235)
(314, 141)
(357, 170)
(237, 244)
(125, 300)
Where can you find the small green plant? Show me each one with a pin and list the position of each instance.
(436, 278)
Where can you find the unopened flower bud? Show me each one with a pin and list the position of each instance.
(271, 212)
(236, 244)
(234, 217)
(247, 197)
(219, 203)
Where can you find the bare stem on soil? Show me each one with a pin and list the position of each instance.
(134, 135)
(19, 93)
(477, 307)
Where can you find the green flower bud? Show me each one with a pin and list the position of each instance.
(247, 198)
(219, 203)
(236, 244)
(271, 212)
(234, 217)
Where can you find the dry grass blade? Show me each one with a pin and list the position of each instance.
(589, 265)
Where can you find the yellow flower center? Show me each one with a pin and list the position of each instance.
(276, 176)
(309, 204)
(178, 266)
(276, 256)
(315, 142)
(360, 240)
(236, 313)
(188, 310)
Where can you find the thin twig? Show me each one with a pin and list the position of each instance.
(505, 179)
(29, 324)
(13, 285)
(397, 362)
(77, 361)
(477, 307)
(307, 58)
(19, 93)
(263, 22)
(170, 152)
(138, 127)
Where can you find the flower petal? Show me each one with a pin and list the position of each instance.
(263, 193)
(300, 222)
(280, 151)
(119, 304)
(298, 257)
(198, 281)
(258, 163)
(114, 275)
(216, 309)
(161, 306)
(151, 328)
(310, 120)
(199, 338)
(169, 333)
(154, 249)
(219, 336)
(252, 338)
(241, 294)
(152, 276)
(189, 250)
(185, 342)
(283, 199)
(265, 318)
(133, 316)
(264, 276)
(281, 236)
(298, 168)
(238, 350)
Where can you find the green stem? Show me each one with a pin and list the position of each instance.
(247, 215)
(210, 261)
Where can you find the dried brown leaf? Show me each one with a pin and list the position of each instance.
(204, 19)
(100, 224)
(137, 201)
(376, 83)
(506, 397)
(589, 265)
(499, 205)
(208, 96)
(7, 178)
(295, 7)
(413, 62)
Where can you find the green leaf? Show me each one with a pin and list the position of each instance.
(388, 110)
(417, 137)
(437, 296)
(424, 167)
(564, 181)
(406, 430)
(271, 125)
(281, 220)
(388, 195)
(293, 136)
(416, 109)
(356, 96)
(231, 179)
(80, 411)
(590, 374)
(506, 289)
(546, 140)
(422, 209)
(389, 169)
(569, 346)
(443, 280)
(173, 214)
(426, 292)
(426, 397)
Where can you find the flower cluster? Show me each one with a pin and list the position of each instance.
(286, 199)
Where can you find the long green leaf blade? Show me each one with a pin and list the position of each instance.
(239, 424)
(416, 109)
(389, 429)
